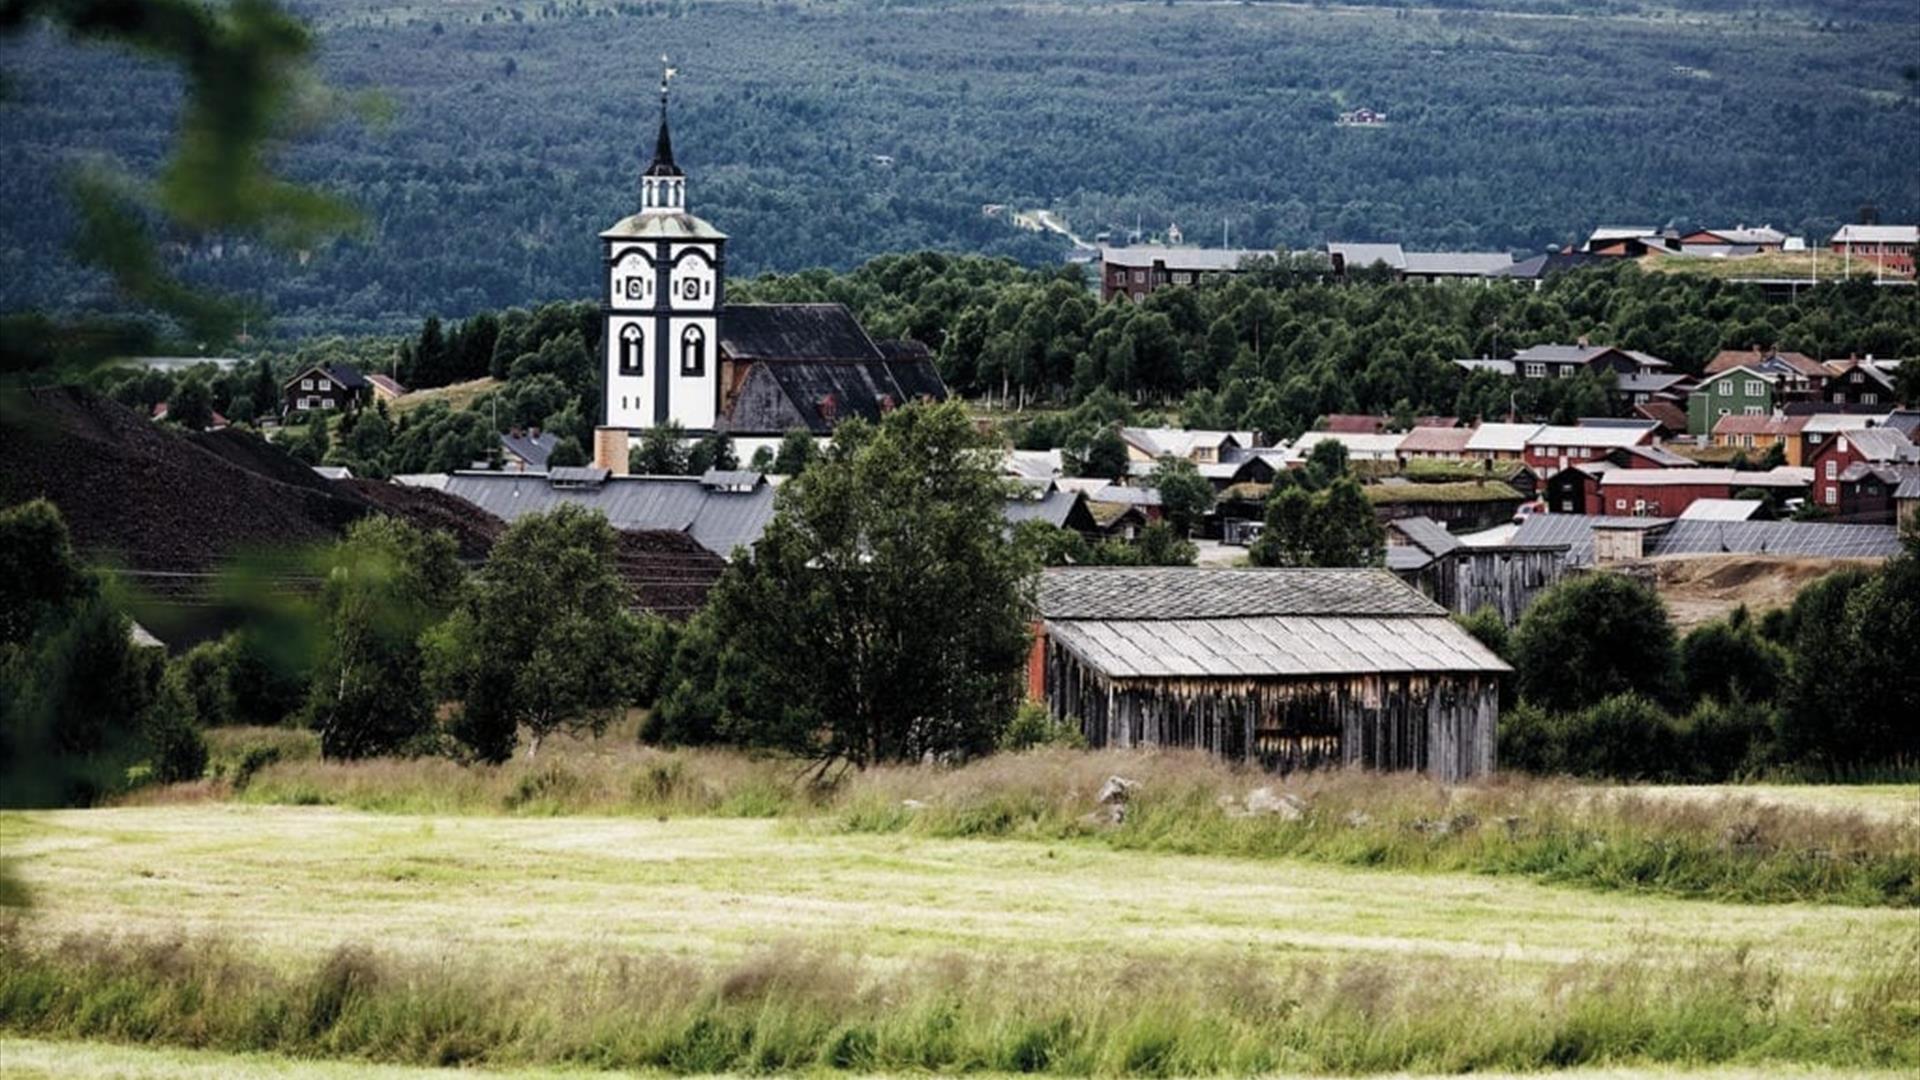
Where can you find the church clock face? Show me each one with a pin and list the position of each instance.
(630, 279)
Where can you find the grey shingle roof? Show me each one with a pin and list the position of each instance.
(1274, 646)
(718, 520)
(1149, 593)
(1428, 535)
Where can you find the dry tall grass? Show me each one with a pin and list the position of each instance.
(791, 1009)
(1728, 848)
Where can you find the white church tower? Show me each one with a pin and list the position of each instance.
(665, 281)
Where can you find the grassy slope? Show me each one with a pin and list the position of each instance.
(299, 881)
(34, 1059)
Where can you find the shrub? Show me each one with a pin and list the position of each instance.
(1033, 725)
(1724, 740)
(1593, 637)
(1729, 657)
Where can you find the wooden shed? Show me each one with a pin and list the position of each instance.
(1287, 668)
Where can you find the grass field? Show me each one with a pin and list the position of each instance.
(611, 907)
(29, 1059)
(146, 917)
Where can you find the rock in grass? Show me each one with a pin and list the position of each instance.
(1116, 791)
(1264, 801)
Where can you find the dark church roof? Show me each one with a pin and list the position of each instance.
(827, 393)
(794, 332)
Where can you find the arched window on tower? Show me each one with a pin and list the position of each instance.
(693, 351)
(633, 348)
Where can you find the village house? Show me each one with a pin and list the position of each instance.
(1285, 669)
(386, 388)
(1575, 489)
(1857, 472)
(1736, 391)
(1434, 443)
(1500, 442)
(1668, 418)
(1856, 382)
(1553, 447)
(527, 448)
(1760, 434)
(1133, 272)
(1360, 447)
(320, 387)
(1822, 427)
(1566, 361)
(1890, 246)
(1797, 376)
(1426, 267)
(1666, 493)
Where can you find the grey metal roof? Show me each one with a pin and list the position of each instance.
(1361, 256)
(532, 449)
(1812, 538)
(1457, 263)
(1428, 535)
(1053, 507)
(1909, 488)
(718, 520)
(1177, 258)
(1185, 592)
(1282, 646)
(1646, 382)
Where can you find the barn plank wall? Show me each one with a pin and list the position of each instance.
(1506, 579)
(1440, 724)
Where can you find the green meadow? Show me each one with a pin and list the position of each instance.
(652, 913)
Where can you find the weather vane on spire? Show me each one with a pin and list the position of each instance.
(667, 72)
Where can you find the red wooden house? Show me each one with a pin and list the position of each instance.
(1856, 472)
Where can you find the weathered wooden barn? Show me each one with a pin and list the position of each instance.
(1287, 668)
(1464, 578)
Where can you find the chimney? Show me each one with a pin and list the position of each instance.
(610, 450)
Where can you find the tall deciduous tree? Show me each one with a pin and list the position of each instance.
(884, 614)
(543, 641)
(386, 583)
(1185, 495)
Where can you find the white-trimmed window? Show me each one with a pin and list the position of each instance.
(1536, 369)
(1568, 371)
(1619, 504)
(1869, 398)
(326, 403)
(1833, 470)
(1139, 277)
(1725, 389)
(1752, 410)
(1833, 495)
(1754, 388)
(306, 384)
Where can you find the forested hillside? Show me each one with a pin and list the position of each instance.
(493, 142)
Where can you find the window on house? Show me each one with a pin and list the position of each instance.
(1753, 388)
(306, 384)
(1752, 410)
(1619, 504)
(1536, 370)
(326, 403)
(1833, 470)
(1833, 495)
(1869, 399)
(1139, 277)
(1183, 278)
(1567, 371)
(1725, 388)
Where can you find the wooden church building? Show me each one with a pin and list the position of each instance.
(674, 351)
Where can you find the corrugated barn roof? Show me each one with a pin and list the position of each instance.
(1152, 593)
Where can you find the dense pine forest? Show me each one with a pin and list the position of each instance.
(484, 146)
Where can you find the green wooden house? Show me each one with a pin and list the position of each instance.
(1740, 391)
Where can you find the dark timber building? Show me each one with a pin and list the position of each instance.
(1286, 668)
